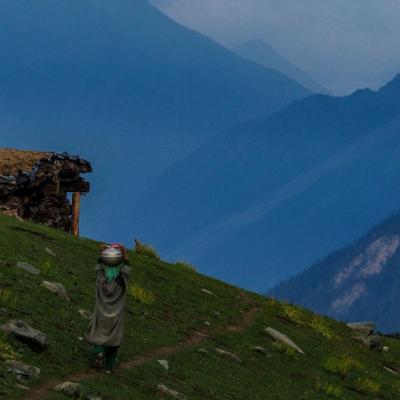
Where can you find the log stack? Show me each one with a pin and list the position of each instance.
(34, 186)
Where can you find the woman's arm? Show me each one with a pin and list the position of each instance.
(125, 271)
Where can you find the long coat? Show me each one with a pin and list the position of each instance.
(107, 324)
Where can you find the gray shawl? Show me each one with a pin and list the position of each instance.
(106, 326)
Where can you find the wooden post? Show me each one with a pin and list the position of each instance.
(76, 206)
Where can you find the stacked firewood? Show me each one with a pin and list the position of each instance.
(40, 194)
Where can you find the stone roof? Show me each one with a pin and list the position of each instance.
(12, 161)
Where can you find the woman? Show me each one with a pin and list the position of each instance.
(106, 327)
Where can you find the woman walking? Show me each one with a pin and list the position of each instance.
(106, 327)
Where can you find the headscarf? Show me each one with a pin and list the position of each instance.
(112, 273)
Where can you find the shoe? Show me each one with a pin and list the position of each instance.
(100, 360)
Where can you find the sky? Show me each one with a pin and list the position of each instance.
(343, 44)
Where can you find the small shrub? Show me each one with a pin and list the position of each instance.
(46, 267)
(271, 301)
(185, 266)
(330, 389)
(283, 348)
(141, 295)
(6, 350)
(145, 250)
(341, 365)
(320, 326)
(293, 313)
(368, 386)
(7, 298)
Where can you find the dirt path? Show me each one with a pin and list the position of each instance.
(246, 320)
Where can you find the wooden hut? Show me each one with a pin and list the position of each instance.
(34, 186)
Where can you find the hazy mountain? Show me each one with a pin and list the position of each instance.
(358, 283)
(126, 87)
(264, 200)
(262, 53)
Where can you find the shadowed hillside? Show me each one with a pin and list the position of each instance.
(260, 52)
(359, 282)
(264, 200)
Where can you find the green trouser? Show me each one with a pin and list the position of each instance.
(110, 354)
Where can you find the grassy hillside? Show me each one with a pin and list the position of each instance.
(176, 320)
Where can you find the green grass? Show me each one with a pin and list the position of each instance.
(185, 266)
(164, 306)
(141, 295)
(146, 250)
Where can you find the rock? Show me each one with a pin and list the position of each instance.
(28, 268)
(390, 370)
(280, 337)
(23, 371)
(19, 386)
(362, 328)
(3, 311)
(56, 288)
(69, 388)
(85, 314)
(228, 355)
(217, 314)
(164, 364)
(259, 349)
(35, 339)
(50, 252)
(206, 291)
(172, 393)
(371, 342)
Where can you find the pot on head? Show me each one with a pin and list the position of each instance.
(111, 256)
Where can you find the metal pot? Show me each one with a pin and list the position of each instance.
(111, 256)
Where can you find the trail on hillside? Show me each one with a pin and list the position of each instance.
(192, 340)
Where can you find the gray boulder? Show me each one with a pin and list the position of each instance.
(69, 388)
(371, 342)
(280, 337)
(23, 371)
(35, 339)
(164, 364)
(228, 355)
(209, 292)
(50, 252)
(171, 393)
(28, 268)
(56, 288)
(362, 328)
(259, 349)
(85, 314)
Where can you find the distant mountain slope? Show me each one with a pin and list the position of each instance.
(359, 282)
(125, 86)
(260, 52)
(264, 200)
(176, 315)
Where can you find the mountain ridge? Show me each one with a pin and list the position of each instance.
(262, 53)
(358, 282)
(116, 81)
(222, 180)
